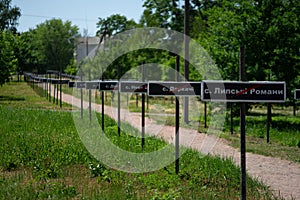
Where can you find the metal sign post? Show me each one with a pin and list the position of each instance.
(177, 89)
(186, 55)
(81, 95)
(296, 97)
(49, 85)
(242, 127)
(119, 103)
(177, 117)
(90, 99)
(137, 87)
(143, 110)
(60, 89)
(103, 87)
(102, 103)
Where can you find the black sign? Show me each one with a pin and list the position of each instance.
(233, 91)
(297, 94)
(108, 86)
(58, 81)
(71, 84)
(63, 81)
(52, 72)
(79, 84)
(174, 88)
(54, 81)
(92, 85)
(40, 79)
(133, 87)
(44, 80)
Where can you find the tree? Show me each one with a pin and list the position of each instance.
(8, 16)
(163, 14)
(8, 21)
(8, 61)
(270, 31)
(114, 24)
(24, 52)
(53, 44)
(170, 14)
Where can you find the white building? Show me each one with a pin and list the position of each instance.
(86, 46)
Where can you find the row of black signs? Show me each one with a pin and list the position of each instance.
(47, 80)
(229, 91)
(62, 74)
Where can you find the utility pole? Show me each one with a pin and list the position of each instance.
(186, 55)
(242, 127)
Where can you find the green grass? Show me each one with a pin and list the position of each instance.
(284, 134)
(21, 95)
(42, 157)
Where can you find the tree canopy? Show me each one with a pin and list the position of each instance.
(269, 30)
(53, 44)
(8, 20)
(8, 16)
(114, 24)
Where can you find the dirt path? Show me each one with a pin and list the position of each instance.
(282, 176)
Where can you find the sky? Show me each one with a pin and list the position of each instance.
(83, 14)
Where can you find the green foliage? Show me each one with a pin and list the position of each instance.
(284, 129)
(269, 30)
(71, 68)
(53, 44)
(164, 14)
(170, 14)
(8, 61)
(25, 52)
(114, 24)
(8, 16)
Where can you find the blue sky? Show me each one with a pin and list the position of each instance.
(84, 14)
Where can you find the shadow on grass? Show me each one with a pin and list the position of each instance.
(11, 98)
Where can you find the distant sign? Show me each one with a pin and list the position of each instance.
(39, 79)
(133, 87)
(54, 81)
(58, 81)
(43, 80)
(63, 81)
(71, 84)
(92, 85)
(174, 88)
(297, 94)
(52, 72)
(234, 91)
(79, 84)
(108, 86)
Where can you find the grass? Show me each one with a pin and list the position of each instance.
(42, 157)
(284, 133)
(19, 94)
